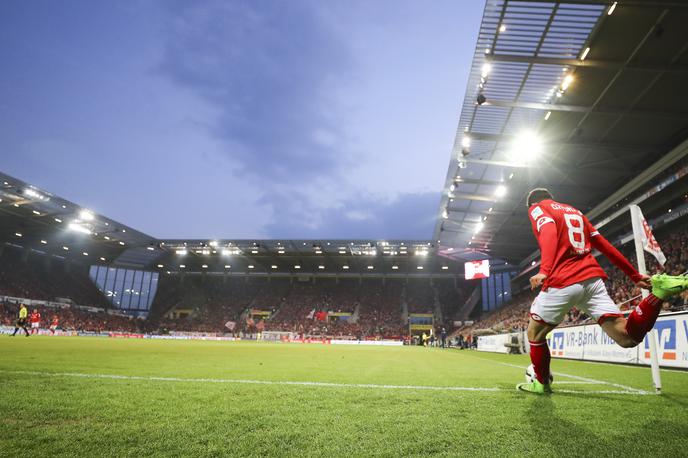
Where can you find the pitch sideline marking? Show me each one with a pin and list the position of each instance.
(296, 383)
(628, 389)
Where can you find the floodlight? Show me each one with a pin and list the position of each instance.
(76, 227)
(568, 79)
(526, 147)
(86, 215)
(500, 191)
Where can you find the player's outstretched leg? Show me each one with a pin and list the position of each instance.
(643, 318)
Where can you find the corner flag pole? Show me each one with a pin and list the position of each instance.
(636, 218)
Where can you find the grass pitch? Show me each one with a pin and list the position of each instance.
(106, 397)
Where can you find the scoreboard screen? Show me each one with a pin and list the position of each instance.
(477, 269)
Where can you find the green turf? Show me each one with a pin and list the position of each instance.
(68, 415)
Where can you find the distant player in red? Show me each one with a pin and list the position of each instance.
(53, 324)
(571, 277)
(35, 320)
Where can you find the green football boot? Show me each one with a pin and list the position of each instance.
(665, 286)
(535, 387)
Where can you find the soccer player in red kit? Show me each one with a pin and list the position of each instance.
(53, 324)
(35, 320)
(571, 277)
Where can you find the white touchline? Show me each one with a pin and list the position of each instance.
(629, 366)
(253, 382)
(301, 383)
(628, 389)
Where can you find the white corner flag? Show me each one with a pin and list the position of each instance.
(644, 240)
(649, 242)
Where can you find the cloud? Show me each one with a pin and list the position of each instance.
(268, 67)
(408, 216)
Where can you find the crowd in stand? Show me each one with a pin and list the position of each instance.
(349, 307)
(36, 277)
(70, 318)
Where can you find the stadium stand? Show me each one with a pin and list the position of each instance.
(33, 276)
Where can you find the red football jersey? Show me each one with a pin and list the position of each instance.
(35, 317)
(571, 260)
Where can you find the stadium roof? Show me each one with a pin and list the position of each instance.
(42, 222)
(598, 89)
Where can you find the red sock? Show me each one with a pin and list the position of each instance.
(539, 356)
(642, 319)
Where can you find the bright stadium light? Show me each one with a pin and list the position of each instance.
(76, 227)
(182, 266)
(297, 266)
(445, 214)
(44, 242)
(227, 266)
(502, 28)
(66, 248)
(345, 267)
(18, 234)
(419, 267)
(395, 267)
(273, 266)
(102, 258)
(150, 248)
(57, 220)
(321, 267)
(611, 9)
(479, 227)
(121, 243)
(487, 68)
(86, 215)
(205, 266)
(34, 194)
(251, 266)
(445, 267)
(160, 266)
(500, 191)
(585, 54)
(85, 253)
(466, 142)
(370, 267)
(568, 79)
(526, 147)
(181, 252)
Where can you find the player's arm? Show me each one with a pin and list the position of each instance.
(545, 231)
(601, 244)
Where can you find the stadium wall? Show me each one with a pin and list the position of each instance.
(589, 343)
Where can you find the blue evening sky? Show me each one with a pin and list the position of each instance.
(238, 119)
